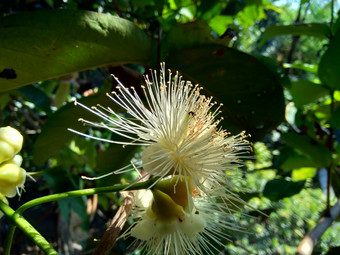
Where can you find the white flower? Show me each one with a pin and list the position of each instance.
(179, 126)
(166, 225)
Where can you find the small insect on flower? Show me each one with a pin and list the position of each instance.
(179, 128)
(166, 225)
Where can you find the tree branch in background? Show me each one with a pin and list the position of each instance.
(310, 240)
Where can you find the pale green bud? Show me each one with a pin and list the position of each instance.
(10, 143)
(11, 176)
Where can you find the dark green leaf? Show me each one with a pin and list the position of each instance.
(54, 132)
(279, 188)
(329, 64)
(312, 29)
(38, 97)
(336, 182)
(250, 92)
(335, 118)
(41, 45)
(315, 151)
(334, 251)
(112, 159)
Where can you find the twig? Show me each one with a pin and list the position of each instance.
(112, 232)
(309, 241)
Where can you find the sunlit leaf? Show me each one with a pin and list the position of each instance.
(41, 45)
(303, 173)
(317, 30)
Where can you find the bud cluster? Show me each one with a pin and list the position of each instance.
(12, 176)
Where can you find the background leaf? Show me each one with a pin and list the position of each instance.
(54, 132)
(252, 102)
(278, 189)
(315, 151)
(312, 29)
(329, 64)
(304, 92)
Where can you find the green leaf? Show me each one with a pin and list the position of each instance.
(250, 92)
(62, 93)
(187, 35)
(303, 173)
(329, 64)
(315, 151)
(219, 23)
(278, 188)
(296, 161)
(317, 30)
(112, 159)
(335, 118)
(41, 45)
(304, 92)
(54, 132)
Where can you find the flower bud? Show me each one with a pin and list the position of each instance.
(164, 208)
(11, 176)
(10, 143)
(177, 188)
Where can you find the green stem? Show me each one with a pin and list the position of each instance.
(27, 228)
(17, 219)
(84, 192)
(9, 240)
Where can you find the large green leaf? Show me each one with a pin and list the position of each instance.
(41, 45)
(250, 92)
(278, 188)
(312, 29)
(54, 132)
(315, 151)
(329, 71)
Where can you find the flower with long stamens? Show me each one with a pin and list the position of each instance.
(179, 127)
(166, 225)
